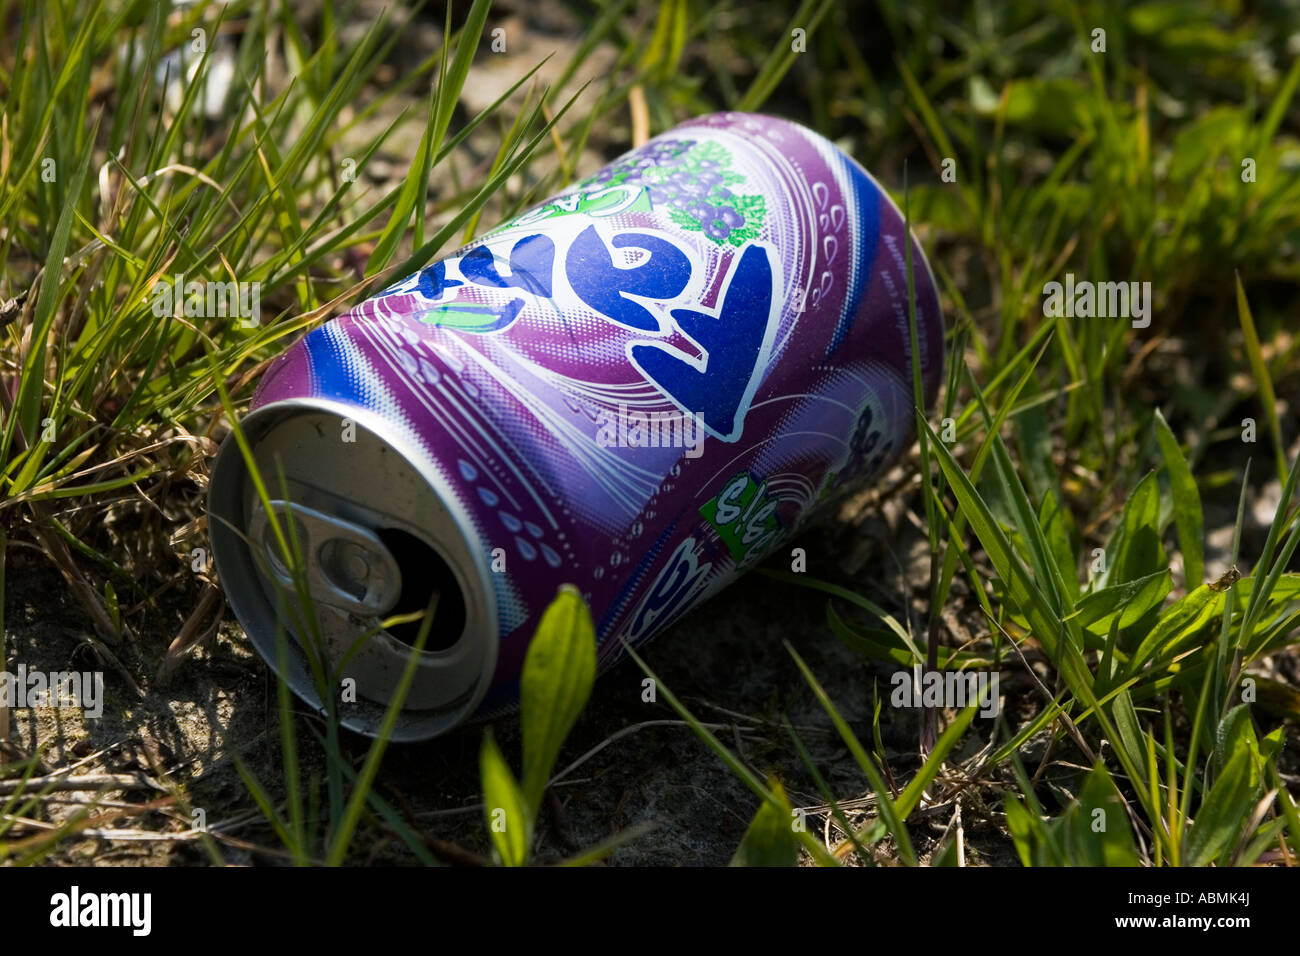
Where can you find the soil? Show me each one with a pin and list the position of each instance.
(728, 661)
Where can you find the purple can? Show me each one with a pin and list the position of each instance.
(640, 387)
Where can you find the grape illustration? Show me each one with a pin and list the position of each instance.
(701, 211)
(692, 181)
(696, 191)
(717, 230)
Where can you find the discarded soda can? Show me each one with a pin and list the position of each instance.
(640, 387)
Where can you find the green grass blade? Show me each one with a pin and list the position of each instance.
(1259, 369)
(1187, 505)
(559, 670)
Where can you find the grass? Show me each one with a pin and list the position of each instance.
(1078, 479)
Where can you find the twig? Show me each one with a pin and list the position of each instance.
(453, 853)
(640, 115)
(191, 634)
(93, 781)
(1049, 697)
(57, 551)
(562, 828)
(633, 728)
(108, 657)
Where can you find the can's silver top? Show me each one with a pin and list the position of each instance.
(352, 530)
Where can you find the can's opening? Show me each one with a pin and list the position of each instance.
(423, 572)
(382, 530)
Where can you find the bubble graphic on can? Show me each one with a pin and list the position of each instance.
(640, 388)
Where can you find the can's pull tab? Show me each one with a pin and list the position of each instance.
(348, 566)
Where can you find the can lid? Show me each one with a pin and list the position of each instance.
(349, 530)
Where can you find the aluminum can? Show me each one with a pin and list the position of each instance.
(639, 387)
